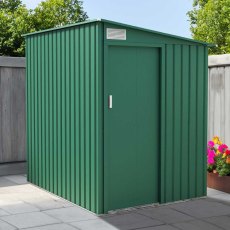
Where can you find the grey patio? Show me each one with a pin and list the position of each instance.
(24, 206)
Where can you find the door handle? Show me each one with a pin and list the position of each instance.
(110, 101)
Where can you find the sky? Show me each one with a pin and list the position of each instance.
(167, 16)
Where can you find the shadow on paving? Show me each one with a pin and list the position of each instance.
(198, 214)
(13, 168)
(24, 206)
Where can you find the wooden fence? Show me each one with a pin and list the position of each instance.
(12, 104)
(219, 97)
(12, 109)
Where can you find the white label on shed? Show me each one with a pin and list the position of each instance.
(116, 34)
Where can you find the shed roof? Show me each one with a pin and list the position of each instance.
(123, 25)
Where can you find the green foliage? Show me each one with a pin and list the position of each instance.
(10, 5)
(199, 3)
(54, 13)
(13, 23)
(16, 19)
(210, 22)
(210, 168)
(222, 167)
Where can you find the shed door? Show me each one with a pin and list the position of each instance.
(131, 135)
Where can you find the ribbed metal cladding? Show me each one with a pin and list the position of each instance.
(63, 113)
(66, 68)
(184, 128)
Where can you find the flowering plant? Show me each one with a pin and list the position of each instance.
(218, 157)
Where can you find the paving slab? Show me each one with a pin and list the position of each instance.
(17, 179)
(65, 203)
(28, 220)
(9, 197)
(13, 168)
(222, 197)
(13, 188)
(196, 225)
(3, 213)
(97, 224)
(47, 204)
(71, 214)
(131, 221)
(53, 227)
(25, 206)
(36, 196)
(212, 192)
(6, 183)
(15, 207)
(221, 221)
(162, 227)
(165, 214)
(202, 208)
(43, 201)
(6, 226)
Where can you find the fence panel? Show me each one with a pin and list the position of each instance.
(219, 97)
(12, 109)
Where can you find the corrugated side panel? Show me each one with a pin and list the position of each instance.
(185, 123)
(64, 101)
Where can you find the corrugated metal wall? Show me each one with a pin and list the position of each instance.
(184, 124)
(63, 118)
(219, 97)
(184, 81)
(65, 113)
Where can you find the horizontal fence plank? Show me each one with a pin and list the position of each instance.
(14, 62)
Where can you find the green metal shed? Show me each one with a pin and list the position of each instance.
(116, 115)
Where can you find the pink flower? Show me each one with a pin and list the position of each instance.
(211, 153)
(211, 144)
(222, 148)
(211, 161)
(211, 156)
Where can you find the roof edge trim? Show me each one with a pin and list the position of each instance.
(158, 32)
(62, 27)
(124, 25)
